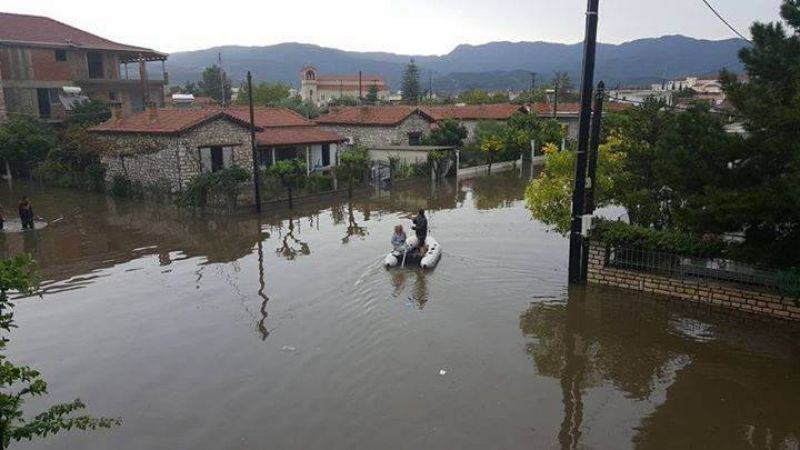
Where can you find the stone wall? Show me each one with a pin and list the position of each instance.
(380, 136)
(723, 295)
(171, 161)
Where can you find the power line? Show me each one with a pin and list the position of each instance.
(725, 21)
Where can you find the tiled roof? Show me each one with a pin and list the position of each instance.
(546, 109)
(163, 121)
(296, 135)
(271, 117)
(370, 115)
(499, 111)
(44, 31)
(351, 78)
(274, 126)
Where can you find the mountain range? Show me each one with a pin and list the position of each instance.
(492, 66)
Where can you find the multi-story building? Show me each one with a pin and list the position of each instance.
(323, 89)
(46, 66)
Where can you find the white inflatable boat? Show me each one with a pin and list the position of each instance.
(411, 256)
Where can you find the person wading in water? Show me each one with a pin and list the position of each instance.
(421, 229)
(26, 213)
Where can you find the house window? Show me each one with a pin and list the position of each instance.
(61, 55)
(215, 158)
(326, 155)
(286, 153)
(95, 63)
(310, 75)
(415, 138)
(112, 96)
(54, 97)
(264, 157)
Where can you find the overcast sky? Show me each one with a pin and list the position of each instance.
(407, 26)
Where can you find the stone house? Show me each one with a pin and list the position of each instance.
(378, 126)
(47, 66)
(470, 115)
(568, 114)
(167, 147)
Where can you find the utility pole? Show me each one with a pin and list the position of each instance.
(597, 123)
(360, 93)
(256, 180)
(430, 88)
(591, 176)
(579, 191)
(533, 87)
(222, 80)
(555, 97)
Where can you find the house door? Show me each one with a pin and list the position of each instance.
(326, 155)
(43, 96)
(217, 161)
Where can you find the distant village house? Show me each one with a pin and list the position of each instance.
(323, 89)
(46, 67)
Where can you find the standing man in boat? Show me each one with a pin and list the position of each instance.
(26, 213)
(421, 229)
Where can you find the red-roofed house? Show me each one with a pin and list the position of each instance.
(378, 126)
(167, 147)
(322, 89)
(471, 115)
(46, 66)
(568, 114)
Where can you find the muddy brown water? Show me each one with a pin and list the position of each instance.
(209, 332)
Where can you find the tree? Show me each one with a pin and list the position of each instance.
(289, 173)
(24, 139)
(353, 164)
(765, 201)
(264, 94)
(345, 100)
(88, 113)
(563, 86)
(492, 146)
(411, 88)
(549, 197)
(372, 94)
(449, 133)
(305, 109)
(521, 129)
(20, 382)
(216, 84)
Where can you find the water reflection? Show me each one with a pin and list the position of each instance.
(711, 389)
(353, 228)
(291, 246)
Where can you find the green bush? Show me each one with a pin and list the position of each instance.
(319, 183)
(122, 186)
(685, 244)
(226, 183)
(55, 173)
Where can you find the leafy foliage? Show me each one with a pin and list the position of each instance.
(289, 172)
(372, 94)
(481, 97)
(668, 241)
(75, 162)
(88, 113)
(448, 133)
(216, 84)
(264, 94)
(19, 382)
(353, 165)
(25, 139)
(226, 183)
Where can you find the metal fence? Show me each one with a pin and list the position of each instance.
(785, 282)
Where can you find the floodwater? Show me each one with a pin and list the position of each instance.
(210, 332)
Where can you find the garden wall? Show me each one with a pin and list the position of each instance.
(709, 292)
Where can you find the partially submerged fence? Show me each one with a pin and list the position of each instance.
(718, 282)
